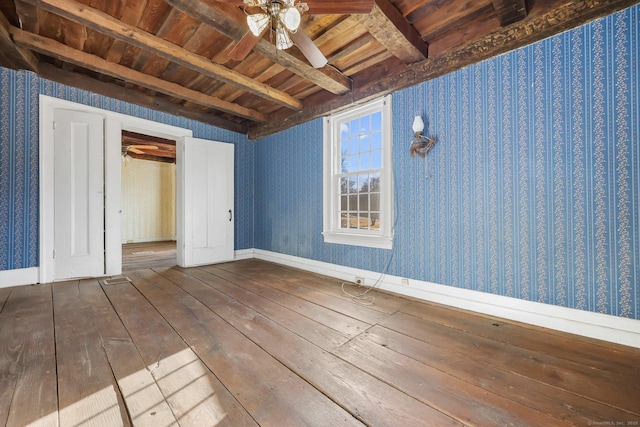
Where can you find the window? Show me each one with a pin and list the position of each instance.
(358, 187)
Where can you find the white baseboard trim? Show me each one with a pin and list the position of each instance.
(19, 277)
(605, 327)
(147, 240)
(244, 254)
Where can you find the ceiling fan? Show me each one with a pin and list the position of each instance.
(283, 18)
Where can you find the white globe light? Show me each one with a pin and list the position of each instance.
(257, 23)
(418, 124)
(283, 41)
(291, 18)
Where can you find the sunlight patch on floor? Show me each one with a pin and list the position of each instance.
(185, 382)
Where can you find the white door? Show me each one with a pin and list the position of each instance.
(78, 194)
(205, 193)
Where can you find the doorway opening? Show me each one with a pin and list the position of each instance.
(148, 197)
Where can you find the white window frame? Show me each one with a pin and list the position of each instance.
(332, 232)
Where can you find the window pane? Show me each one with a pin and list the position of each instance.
(374, 221)
(344, 185)
(364, 202)
(376, 121)
(343, 203)
(353, 202)
(352, 220)
(365, 143)
(363, 183)
(354, 127)
(365, 124)
(344, 130)
(375, 202)
(354, 146)
(354, 164)
(376, 159)
(376, 141)
(374, 182)
(365, 161)
(344, 146)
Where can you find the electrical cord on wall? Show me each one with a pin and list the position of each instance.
(363, 298)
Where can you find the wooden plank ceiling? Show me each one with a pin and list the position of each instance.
(176, 55)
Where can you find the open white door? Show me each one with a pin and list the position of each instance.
(79, 194)
(205, 196)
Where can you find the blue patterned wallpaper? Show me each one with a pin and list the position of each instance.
(532, 189)
(19, 112)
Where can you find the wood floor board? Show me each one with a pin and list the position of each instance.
(194, 393)
(148, 255)
(253, 343)
(550, 400)
(596, 384)
(4, 295)
(583, 350)
(316, 333)
(367, 398)
(342, 323)
(385, 303)
(28, 387)
(339, 304)
(88, 392)
(144, 403)
(267, 389)
(467, 403)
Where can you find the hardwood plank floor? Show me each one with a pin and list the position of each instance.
(253, 343)
(148, 255)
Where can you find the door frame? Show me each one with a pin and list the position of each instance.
(115, 123)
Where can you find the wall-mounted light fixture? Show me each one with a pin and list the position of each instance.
(420, 144)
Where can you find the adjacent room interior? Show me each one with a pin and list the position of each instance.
(148, 201)
(301, 213)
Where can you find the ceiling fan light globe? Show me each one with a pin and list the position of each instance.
(283, 41)
(291, 18)
(257, 23)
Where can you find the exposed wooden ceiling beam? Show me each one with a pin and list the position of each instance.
(362, 41)
(394, 32)
(151, 157)
(231, 22)
(524, 32)
(28, 16)
(106, 24)
(65, 53)
(510, 11)
(328, 7)
(112, 90)
(134, 138)
(14, 56)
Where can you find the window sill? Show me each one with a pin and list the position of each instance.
(380, 242)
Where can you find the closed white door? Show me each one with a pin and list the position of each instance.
(79, 194)
(205, 192)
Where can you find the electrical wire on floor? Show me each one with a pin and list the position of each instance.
(362, 298)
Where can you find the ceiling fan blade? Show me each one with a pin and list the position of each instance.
(339, 7)
(244, 46)
(309, 49)
(232, 2)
